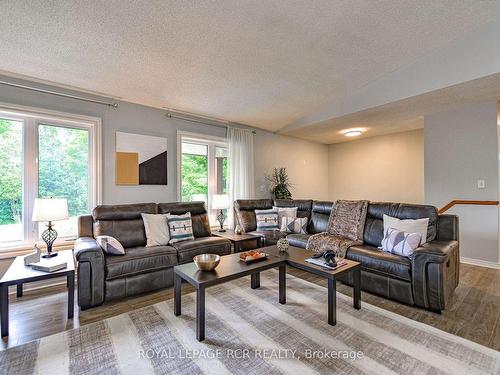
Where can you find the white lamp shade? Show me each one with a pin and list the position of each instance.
(220, 201)
(50, 209)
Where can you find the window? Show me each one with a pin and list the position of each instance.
(203, 169)
(45, 155)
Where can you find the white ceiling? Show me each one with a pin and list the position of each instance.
(262, 63)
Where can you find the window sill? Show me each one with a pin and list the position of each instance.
(14, 251)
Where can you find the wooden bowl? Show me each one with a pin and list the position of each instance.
(206, 262)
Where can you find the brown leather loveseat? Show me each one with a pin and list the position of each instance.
(103, 277)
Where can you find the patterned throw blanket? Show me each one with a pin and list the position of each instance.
(345, 228)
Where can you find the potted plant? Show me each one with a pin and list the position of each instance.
(280, 184)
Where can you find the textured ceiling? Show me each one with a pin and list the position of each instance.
(263, 63)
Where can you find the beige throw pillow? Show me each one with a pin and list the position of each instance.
(285, 212)
(408, 226)
(156, 228)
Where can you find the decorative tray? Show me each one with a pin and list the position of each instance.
(252, 256)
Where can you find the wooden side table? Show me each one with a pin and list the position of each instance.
(238, 239)
(18, 274)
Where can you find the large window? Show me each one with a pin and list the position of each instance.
(45, 155)
(203, 169)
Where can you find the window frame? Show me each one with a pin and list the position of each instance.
(31, 118)
(212, 142)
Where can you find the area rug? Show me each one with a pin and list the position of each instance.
(249, 332)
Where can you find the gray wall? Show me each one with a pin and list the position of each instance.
(461, 147)
(149, 121)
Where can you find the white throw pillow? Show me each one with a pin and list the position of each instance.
(294, 225)
(110, 245)
(156, 228)
(285, 212)
(408, 226)
(400, 243)
(180, 227)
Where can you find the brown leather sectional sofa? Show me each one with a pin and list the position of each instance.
(427, 279)
(103, 277)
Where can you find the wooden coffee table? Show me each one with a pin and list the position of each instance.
(296, 257)
(18, 274)
(229, 268)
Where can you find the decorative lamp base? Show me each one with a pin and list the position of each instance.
(221, 218)
(49, 236)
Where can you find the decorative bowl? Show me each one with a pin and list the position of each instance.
(206, 262)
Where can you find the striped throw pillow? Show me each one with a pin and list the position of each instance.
(267, 219)
(294, 224)
(180, 227)
(400, 243)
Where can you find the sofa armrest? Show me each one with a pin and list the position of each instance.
(85, 226)
(435, 270)
(90, 272)
(448, 228)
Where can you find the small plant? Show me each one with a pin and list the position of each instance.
(280, 184)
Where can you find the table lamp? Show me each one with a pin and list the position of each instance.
(49, 210)
(220, 202)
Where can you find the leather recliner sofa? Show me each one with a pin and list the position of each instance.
(427, 279)
(103, 277)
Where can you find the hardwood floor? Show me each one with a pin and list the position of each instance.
(473, 314)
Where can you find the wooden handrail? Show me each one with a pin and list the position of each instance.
(462, 201)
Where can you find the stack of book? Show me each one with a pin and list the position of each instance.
(49, 265)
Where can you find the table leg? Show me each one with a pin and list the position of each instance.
(332, 303)
(200, 313)
(177, 294)
(282, 283)
(4, 309)
(70, 280)
(255, 280)
(19, 290)
(357, 289)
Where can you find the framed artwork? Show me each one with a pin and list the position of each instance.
(140, 159)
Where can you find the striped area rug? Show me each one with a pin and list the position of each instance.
(249, 332)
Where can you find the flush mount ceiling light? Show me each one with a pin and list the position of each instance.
(352, 132)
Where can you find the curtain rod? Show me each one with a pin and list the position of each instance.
(112, 105)
(172, 115)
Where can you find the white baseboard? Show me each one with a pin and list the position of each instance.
(481, 263)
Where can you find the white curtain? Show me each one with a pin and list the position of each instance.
(241, 167)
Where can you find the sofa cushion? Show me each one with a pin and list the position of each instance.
(138, 260)
(320, 215)
(123, 222)
(298, 240)
(374, 226)
(199, 217)
(186, 250)
(381, 262)
(245, 211)
(271, 237)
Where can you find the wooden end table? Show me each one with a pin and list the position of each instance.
(18, 274)
(238, 239)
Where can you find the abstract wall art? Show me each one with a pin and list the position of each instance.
(140, 159)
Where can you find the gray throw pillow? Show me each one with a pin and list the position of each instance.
(110, 245)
